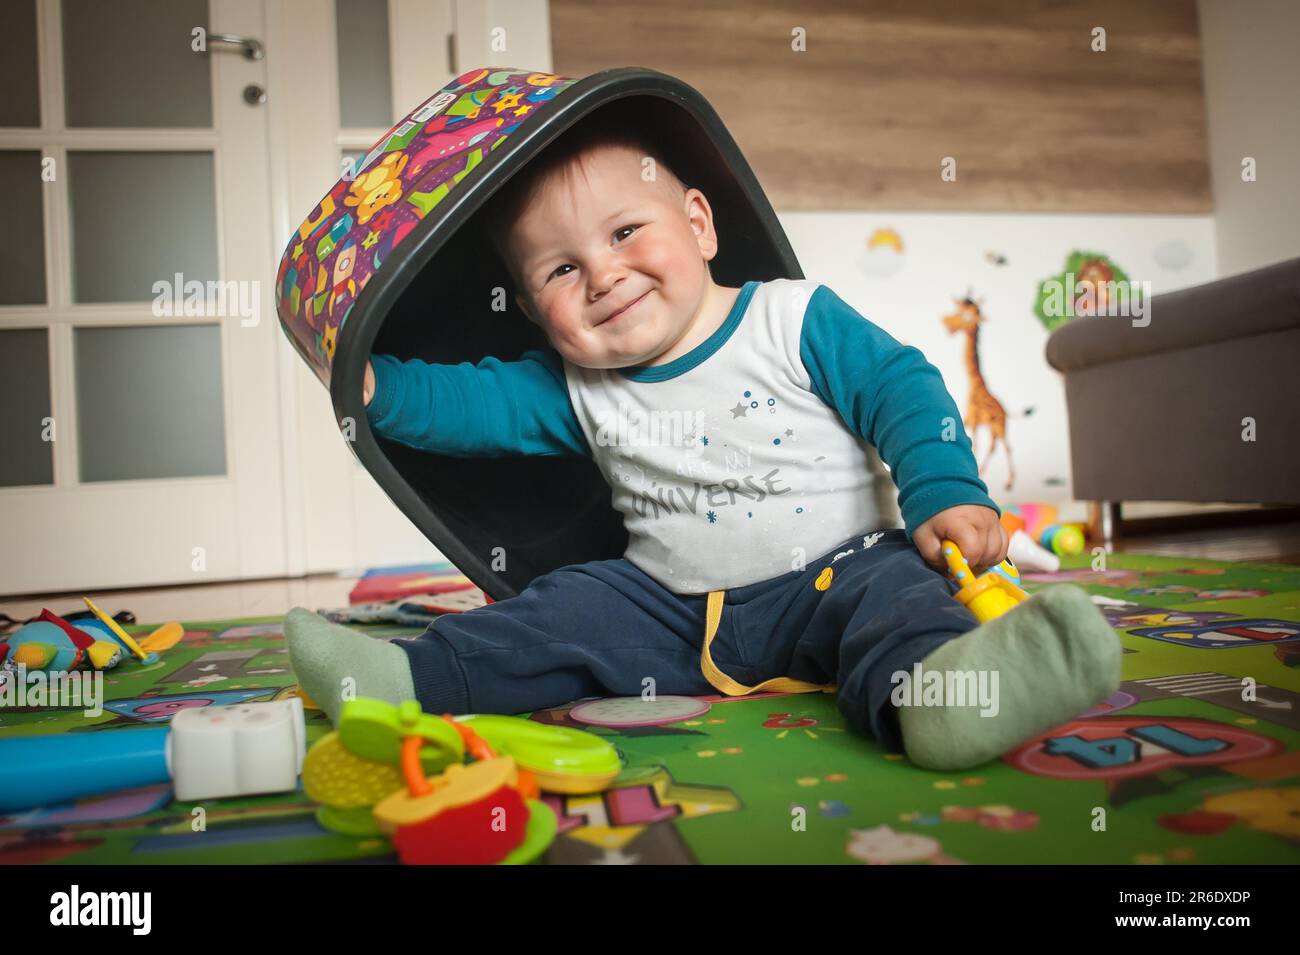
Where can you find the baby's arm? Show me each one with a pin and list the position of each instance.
(889, 395)
(491, 409)
(368, 386)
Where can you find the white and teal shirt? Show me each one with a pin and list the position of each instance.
(734, 463)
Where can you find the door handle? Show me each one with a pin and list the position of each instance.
(252, 49)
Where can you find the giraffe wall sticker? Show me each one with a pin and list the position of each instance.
(982, 409)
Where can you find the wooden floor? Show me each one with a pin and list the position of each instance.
(1277, 542)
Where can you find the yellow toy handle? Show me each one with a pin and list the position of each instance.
(957, 566)
(122, 635)
(988, 596)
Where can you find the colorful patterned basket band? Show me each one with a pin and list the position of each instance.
(369, 212)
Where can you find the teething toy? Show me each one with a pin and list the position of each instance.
(563, 759)
(398, 772)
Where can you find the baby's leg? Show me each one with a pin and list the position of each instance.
(1052, 657)
(333, 662)
(884, 611)
(596, 629)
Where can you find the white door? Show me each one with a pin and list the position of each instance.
(344, 71)
(139, 415)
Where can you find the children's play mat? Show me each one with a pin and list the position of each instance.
(1195, 760)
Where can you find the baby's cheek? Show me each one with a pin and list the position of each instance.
(667, 255)
(566, 338)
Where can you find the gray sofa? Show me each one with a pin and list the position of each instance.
(1156, 412)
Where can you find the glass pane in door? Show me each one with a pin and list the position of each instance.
(149, 402)
(22, 237)
(365, 78)
(25, 412)
(140, 218)
(20, 102)
(131, 63)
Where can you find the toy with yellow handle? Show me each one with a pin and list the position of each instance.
(127, 640)
(989, 595)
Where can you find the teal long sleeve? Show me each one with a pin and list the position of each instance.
(492, 409)
(889, 395)
(885, 392)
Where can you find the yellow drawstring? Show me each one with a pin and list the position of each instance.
(725, 684)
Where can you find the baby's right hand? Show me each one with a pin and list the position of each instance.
(368, 388)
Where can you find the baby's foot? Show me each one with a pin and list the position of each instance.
(324, 655)
(1054, 655)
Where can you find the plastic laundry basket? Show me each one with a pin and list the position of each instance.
(385, 264)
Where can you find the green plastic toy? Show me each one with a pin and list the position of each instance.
(380, 750)
(373, 729)
(542, 827)
(564, 759)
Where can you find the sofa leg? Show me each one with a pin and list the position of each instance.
(1104, 519)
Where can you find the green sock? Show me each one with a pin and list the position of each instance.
(1054, 656)
(324, 655)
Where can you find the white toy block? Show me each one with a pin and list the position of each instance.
(214, 752)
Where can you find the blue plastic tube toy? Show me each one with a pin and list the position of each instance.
(46, 770)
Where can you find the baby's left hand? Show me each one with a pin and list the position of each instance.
(974, 528)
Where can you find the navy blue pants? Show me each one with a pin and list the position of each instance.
(602, 628)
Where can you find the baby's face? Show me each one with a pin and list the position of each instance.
(592, 245)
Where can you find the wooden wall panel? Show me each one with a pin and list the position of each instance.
(1036, 120)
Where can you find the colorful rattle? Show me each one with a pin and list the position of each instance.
(399, 772)
(991, 594)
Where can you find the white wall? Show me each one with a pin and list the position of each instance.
(1252, 101)
(945, 256)
(513, 33)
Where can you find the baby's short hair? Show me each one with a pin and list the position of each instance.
(501, 211)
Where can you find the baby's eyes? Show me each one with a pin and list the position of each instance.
(618, 232)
